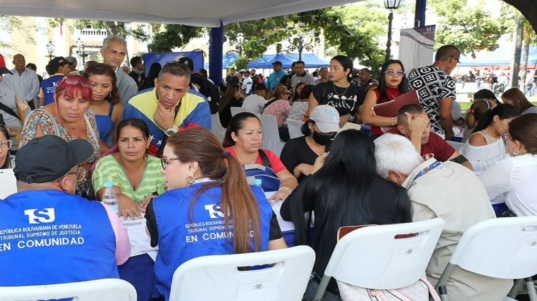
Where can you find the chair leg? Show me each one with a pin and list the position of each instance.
(322, 288)
(442, 292)
(531, 289)
(516, 288)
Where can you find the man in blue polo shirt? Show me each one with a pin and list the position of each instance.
(58, 68)
(49, 235)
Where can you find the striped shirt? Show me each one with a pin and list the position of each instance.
(108, 169)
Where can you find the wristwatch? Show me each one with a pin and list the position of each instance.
(171, 130)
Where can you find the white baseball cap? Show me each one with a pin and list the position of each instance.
(326, 118)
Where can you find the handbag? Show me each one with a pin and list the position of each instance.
(419, 291)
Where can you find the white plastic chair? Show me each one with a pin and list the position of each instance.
(295, 128)
(218, 278)
(500, 248)
(216, 127)
(271, 136)
(372, 257)
(102, 290)
(237, 110)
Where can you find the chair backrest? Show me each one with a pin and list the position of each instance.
(102, 290)
(500, 248)
(216, 127)
(237, 110)
(218, 278)
(271, 136)
(373, 257)
(295, 128)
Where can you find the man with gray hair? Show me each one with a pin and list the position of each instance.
(113, 52)
(170, 107)
(449, 191)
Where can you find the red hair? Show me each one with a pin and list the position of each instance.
(72, 84)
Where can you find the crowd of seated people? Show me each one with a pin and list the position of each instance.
(168, 170)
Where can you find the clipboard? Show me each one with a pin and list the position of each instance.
(391, 108)
(8, 183)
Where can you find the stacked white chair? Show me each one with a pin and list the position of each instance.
(237, 110)
(271, 136)
(295, 128)
(216, 127)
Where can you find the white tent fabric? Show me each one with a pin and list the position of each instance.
(204, 13)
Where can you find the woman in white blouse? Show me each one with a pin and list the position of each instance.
(485, 147)
(514, 177)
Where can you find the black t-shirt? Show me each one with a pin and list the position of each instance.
(232, 79)
(225, 115)
(295, 152)
(345, 100)
(151, 223)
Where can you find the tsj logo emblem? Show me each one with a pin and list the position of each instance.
(36, 216)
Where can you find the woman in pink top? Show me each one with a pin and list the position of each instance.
(280, 108)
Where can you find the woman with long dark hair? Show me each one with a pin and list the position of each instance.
(345, 191)
(392, 83)
(152, 74)
(231, 98)
(208, 208)
(339, 92)
(5, 148)
(483, 101)
(485, 147)
(104, 101)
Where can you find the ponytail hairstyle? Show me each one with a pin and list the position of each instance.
(346, 63)
(503, 111)
(477, 110)
(237, 200)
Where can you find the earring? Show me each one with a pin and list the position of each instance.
(190, 180)
(516, 152)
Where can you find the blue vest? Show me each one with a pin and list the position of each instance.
(50, 237)
(181, 238)
(49, 86)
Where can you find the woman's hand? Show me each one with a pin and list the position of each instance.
(303, 168)
(319, 162)
(129, 208)
(279, 195)
(344, 119)
(143, 204)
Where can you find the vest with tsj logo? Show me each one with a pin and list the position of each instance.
(49, 237)
(49, 86)
(181, 238)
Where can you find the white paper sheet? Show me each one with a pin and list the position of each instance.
(140, 240)
(8, 183)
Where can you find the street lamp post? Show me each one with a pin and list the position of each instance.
(240, 40)
(50, 50)
(391, 5)
(80, 50)
(302, 45)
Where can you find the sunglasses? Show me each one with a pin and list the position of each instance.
(392, 72)
(164, 161)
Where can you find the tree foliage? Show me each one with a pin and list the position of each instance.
(12, 23)
(470, 28)
(172, 35)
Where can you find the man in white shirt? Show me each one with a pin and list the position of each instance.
(301, 76)
(26, 79)
(451, 192)
(256, 102)
(246, 83)
(113, 52)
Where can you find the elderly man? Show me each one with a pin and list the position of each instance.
(26, 79)
(170, 106)
(451, 192)
(50, 235)
(437, 90)
(9, 89)
(113, 52)
(413, 123)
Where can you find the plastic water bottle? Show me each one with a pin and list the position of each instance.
(259, 183)
(110, 196)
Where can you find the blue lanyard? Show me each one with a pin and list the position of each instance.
(426, 170)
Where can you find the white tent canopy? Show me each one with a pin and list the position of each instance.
(204, 13)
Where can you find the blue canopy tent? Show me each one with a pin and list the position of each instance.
(498, 57)
(310, 59)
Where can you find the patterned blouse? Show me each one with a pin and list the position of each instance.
(50, 125)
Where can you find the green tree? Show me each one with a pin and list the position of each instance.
(172, 35)
(470, 28)
(12, 23)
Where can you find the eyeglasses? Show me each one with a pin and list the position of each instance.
(391, 72)
(456, 58)
(506, 137)
(5, 145)
(164, 161)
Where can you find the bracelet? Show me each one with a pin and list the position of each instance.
(285, 188)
